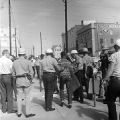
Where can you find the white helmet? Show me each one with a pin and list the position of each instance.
(117, 42)
(74, 52)
(21, 51)
(49, 51)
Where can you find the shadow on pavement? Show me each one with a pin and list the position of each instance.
(39, 102)
(92, 113)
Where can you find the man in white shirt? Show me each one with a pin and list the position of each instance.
(6, 84)
(113, 78)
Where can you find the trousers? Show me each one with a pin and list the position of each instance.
(6, 88)
(23, 91)
(66, 81)
(79, 92)
(113, 91)
(48, 79)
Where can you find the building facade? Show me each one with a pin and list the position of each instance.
(95, 36)
(72, 36)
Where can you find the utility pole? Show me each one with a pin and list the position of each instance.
(66, 31)
(15, 43)
(10, 43)
(33, 50)
(41, 42)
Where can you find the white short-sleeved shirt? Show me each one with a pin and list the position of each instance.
(115, 58)
(5, 65)
(49, 64)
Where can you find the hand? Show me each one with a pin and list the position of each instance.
(105, 81)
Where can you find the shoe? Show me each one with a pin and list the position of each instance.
(61, 104)
(29, 115)
(69, 106)
(19, 115)
(13, 111)
(50, 109)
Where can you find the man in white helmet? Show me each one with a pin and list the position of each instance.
(113, 78)
(78, 94)
(49, 67)
(88, 68)
(22, 70)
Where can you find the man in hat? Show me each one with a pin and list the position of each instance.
(49, 67)
(113, 78)
(23, 73)
(78, 93)
(6, 88)
(88, 68)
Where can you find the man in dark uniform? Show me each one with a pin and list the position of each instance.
(112, 77)
(49, 66)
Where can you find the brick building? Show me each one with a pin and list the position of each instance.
(95, 36)
(72, 36)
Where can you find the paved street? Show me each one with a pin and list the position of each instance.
(79, 111)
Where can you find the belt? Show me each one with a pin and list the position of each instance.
(114, 78)
(6, 74)
(48, 72)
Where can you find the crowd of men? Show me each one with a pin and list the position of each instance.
(75, 70)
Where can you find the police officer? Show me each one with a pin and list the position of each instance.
(113, 78)
(22, 68)
(88, 68)
(79, 73)
(49, 66)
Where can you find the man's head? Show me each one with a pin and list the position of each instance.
(6, 53)
(21, 52)
(49, 52)
(74, 53)
(85, 51)
(117, 45)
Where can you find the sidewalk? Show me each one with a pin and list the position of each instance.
(79, 111)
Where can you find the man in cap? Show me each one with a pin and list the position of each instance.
(113, 78)
(6, 82)
(88, 68)
(22, 70)
(49, 66)
(79, 73)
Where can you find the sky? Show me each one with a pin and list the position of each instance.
(31, 17)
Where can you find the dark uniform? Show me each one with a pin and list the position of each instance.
(49, 66)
